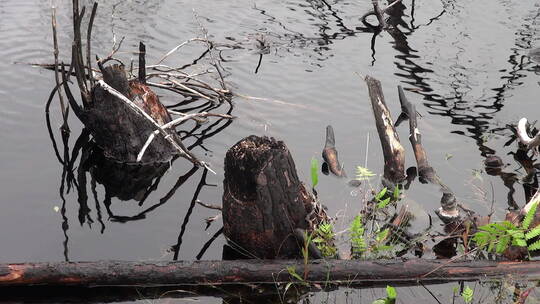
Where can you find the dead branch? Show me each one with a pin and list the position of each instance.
(176, 48)
(56, 70)
(449, 207)
(209, 206)
(88, 44)
(393, 152)
(173, 123)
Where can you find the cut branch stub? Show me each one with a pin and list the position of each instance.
(120, 131)
(263, 199)
(394, 154)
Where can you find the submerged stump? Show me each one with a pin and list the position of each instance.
(263, 199)
(117, 129)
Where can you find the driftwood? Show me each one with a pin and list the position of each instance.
(393, 152)
(263, 199)
(346, 272)
(330, 154)
(449, 207)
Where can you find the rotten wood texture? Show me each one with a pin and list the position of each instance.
(449, 206)
(128, 273)
(330, 154)
(394, 154)
(117, 129)
(263, 199)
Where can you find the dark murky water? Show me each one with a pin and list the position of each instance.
(464, 64)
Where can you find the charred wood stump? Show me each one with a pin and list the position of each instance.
(263, 200)
(116, 128)
(394, 154)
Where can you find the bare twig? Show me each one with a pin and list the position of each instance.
(176, 48)
(172, 123)
(88, 44)
(209, 46)
(63, 107)
(209, 206)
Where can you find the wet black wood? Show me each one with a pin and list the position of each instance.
(263, 199)
(117, 129)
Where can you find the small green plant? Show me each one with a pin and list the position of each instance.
(383, 199)
(497, 237)
(467, 294)
(391, 296)
(324, 238)
(358, 242)
(314, 172)
(295, 279)
(363, 173)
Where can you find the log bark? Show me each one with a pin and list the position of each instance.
(263, 199)
(394, 154)
(346, 272)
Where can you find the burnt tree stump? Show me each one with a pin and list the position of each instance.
(263, 199)
(117, 129)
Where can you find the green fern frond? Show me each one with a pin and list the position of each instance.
(533, 233)
(534, 246)
(363, 173)
(503, 244)
(529, 217)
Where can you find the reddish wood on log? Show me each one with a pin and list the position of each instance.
(263, 199)
(126, 273)
(394, 154)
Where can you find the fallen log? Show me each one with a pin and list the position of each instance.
(393, 152)
(345, 272)
(263, 199)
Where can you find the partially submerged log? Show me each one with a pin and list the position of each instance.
(448, 211)
(346, 272)
(394, 154)
(330, 154)
(263, 199)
